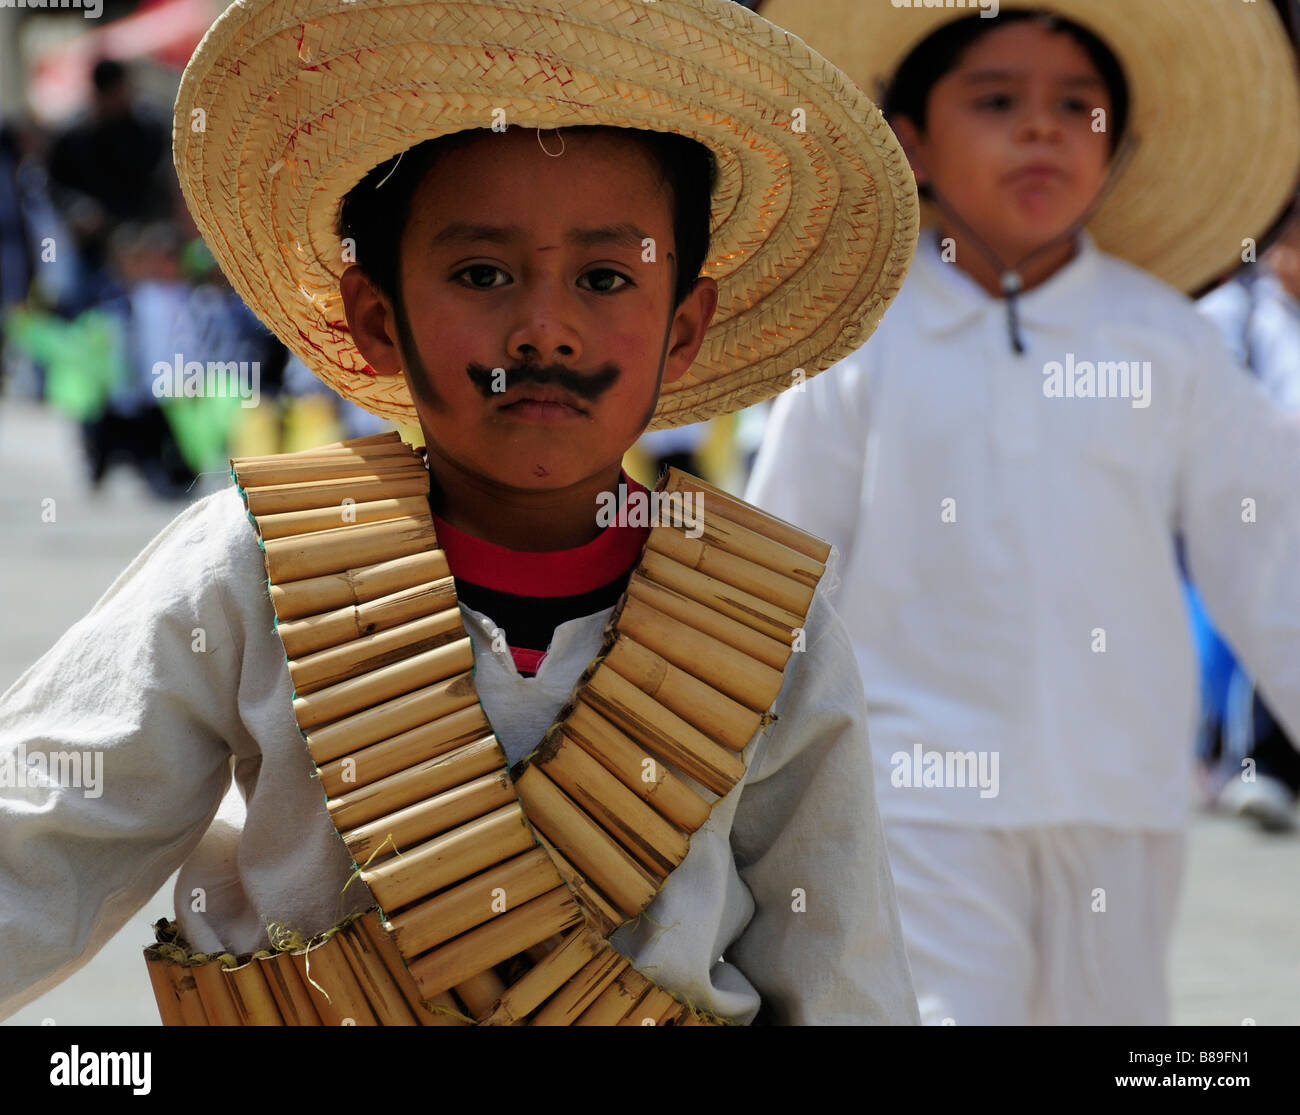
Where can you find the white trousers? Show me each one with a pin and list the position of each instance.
(1065, 925)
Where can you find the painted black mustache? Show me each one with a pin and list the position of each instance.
(588, 387)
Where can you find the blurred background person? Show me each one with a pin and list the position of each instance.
(1258, 315)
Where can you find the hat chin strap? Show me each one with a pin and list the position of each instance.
(1011, 281)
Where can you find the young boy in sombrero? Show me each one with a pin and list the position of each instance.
(591, 762)
(1005, 467)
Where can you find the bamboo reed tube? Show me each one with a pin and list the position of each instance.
(261, 474)
(651, 840)
(376, 450)
(428, 818)
(252, 994)
(164, 992)
(359, 444)
(772, 648)
(498, 940)
(481, 993)
(541, 951)
(655, 1006)
(714, 524)
(359, 447)
(650, 779)
(302, 637)
(613, 1004)
(751, 683)
(770, 554)
(299, 599)
(185, 994)
(699, 704)
(373, 688)
(596, 910)
(328, 667)
(690, 1018)
(663, 733)
(550, 974)
(760, 615)
(471, 903)
(386, 948)
(697, 554)
(334, 990)
(289, 992)
(214, 992)
(585, 844)
(282, 499)
(416, 779)
(289, 524)
(716, 529)
(392, 718)
(377, 985)
(449, 859)
(249, 471)
(567, 1005)
(372, 766)
(728, 506)
(340, 548)
(676, 1016)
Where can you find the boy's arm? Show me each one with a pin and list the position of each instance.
(824, 945)
(1239, 514)
(810, 467)
(141, 699)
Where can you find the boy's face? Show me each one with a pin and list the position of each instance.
(512, 258)
(1010, 140)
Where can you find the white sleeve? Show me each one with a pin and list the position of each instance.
(141, 696)
(824, 945)
(1239, 514)
(810, 465)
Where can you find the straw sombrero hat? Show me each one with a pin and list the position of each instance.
(814, 219)
(1215, 110)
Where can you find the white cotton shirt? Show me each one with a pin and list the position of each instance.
(1010, 581)
(788, 879)
(1261, 324)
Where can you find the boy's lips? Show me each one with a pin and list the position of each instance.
(541, 401)
(1035, 172)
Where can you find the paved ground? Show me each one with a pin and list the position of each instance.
(1237, 949)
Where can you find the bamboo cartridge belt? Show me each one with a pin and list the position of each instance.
(509, 882)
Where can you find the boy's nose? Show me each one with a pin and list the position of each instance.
(1040, 120)
(541, 333)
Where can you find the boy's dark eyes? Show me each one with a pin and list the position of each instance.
(483, 276)
(1001, 102)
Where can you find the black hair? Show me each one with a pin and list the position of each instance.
(109, 74)
(936, 56)
(375, 210)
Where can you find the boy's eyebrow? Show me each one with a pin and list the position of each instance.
(988, 76)
(624, 234)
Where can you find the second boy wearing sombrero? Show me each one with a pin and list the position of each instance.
(1005, 479)
(562, 262)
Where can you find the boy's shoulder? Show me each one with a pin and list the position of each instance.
(1133, 303)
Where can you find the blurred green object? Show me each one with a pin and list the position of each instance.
(197, 262)
(85, 363)
(83, 359)
(201, 426)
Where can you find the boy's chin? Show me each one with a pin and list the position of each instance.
(540, 473)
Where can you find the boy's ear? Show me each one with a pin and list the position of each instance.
(372, 321)
(909, 135)
(690, 324)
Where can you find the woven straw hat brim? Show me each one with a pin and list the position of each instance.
(1215, 106)
(287, 104)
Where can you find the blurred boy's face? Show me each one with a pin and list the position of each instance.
(515, 261)
(1009, 140)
